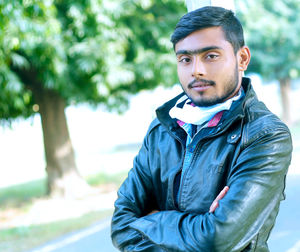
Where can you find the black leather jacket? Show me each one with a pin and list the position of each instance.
(249, 150)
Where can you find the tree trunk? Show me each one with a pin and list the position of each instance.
(63, 176)
(285, 90)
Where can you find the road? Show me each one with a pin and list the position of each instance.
(93, 239)
(285, 236)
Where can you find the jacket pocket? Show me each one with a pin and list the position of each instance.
(252, 245)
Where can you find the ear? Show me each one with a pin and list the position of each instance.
(243, 56)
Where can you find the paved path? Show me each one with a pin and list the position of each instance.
(285, 236)
(93, 239)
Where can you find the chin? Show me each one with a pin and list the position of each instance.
(207, 102)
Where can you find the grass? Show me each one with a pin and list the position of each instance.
(19, 199)
(24, 238)
(18, 195)
(104, 178)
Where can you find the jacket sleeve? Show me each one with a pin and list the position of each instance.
(256, 186)
(134, 201)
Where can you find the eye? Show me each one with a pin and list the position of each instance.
(184, 60)
(212, 56)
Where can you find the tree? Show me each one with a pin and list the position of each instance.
(272, 31)
(54, 53)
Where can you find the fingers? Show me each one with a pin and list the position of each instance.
(222, 193)
(215, 203)
(153, 212)
(213, 206)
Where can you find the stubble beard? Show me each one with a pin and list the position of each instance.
(229, 89)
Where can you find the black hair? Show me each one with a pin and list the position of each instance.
(210, 16)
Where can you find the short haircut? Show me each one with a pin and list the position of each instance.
(210, 16)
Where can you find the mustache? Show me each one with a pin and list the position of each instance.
(201, 81)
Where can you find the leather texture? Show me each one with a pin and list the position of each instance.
(249, 150)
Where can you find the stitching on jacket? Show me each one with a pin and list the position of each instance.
(248, 141)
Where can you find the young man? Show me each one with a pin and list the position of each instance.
(211, 172)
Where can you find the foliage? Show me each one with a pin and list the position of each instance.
(92, 51)
(272, 31)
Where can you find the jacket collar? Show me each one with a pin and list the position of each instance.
(237, 111)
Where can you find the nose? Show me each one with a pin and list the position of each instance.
(198, 68)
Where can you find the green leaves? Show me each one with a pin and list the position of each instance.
(88, 50)
(272, 32)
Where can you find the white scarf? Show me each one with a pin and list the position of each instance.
(198, 115)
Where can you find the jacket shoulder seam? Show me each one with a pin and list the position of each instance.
(154, 124)
(263, 132)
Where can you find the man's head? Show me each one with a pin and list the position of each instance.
(211, 55)
(210, 17)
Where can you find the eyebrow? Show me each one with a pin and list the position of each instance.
(198, 51)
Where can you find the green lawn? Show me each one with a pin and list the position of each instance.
(21, 197)
(23, 194)
(24, 238)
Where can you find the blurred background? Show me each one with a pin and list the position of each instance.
(79, 85)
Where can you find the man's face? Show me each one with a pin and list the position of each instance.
(207, 67)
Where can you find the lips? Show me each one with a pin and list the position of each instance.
(200, 86)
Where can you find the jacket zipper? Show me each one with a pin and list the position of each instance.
(183, 176)
(174, 202)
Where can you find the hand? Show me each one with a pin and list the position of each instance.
(215, 203)
(153, 212)
(213, 206)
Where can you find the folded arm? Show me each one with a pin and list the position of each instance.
(256, 185)
(134, 201)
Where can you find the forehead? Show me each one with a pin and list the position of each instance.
(208, 37)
